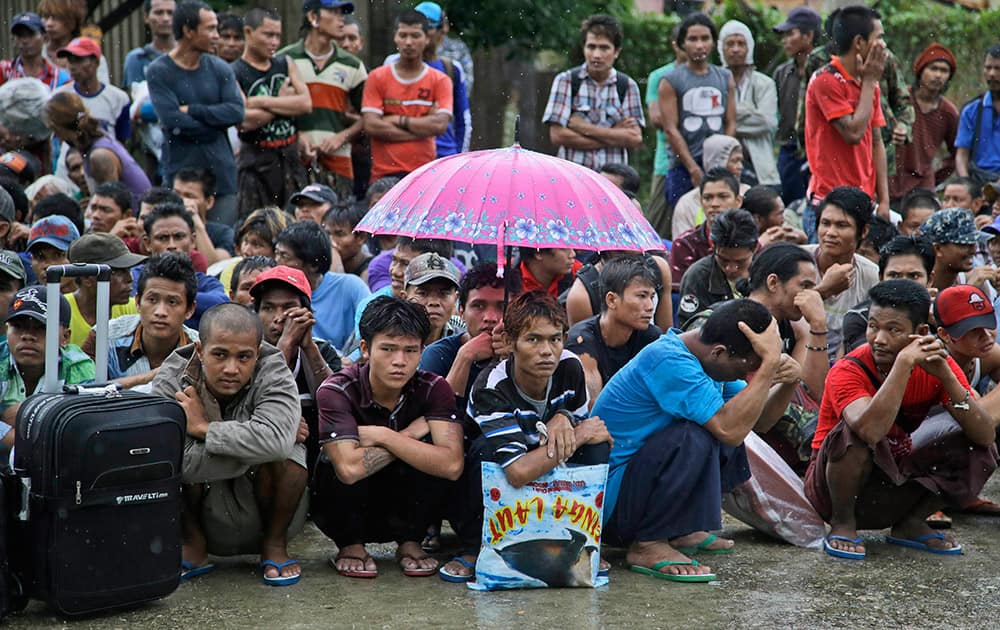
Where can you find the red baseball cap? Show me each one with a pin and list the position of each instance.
(962, 308)
(81, 47)
(293, 278)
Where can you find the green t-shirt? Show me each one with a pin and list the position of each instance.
(661, 161)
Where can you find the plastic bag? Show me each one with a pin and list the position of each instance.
(546, 533)
(21, 104)
(773, 500)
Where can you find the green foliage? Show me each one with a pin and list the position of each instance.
(528, 26)
(647, 47)
(911, 26)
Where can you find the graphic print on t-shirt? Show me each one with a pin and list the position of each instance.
(702, 106)
(280, 128)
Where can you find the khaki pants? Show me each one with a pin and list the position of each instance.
(231, 521)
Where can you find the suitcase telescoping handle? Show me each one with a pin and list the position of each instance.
(53, 276)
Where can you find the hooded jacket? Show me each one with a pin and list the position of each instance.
(756, 109)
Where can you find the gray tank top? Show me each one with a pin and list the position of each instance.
(701, 104)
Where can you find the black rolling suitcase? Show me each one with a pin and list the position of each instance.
(99, 519)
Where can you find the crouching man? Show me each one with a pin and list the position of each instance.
(678, 413)
(540, 382)
(391, 442)
(244, 461)
(878, 460)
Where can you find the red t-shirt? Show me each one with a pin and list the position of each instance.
(847, 382)
(833, 94)
(385, 93)
(530, 283)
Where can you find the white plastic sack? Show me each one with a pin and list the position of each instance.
(773, 500)
(546, 533)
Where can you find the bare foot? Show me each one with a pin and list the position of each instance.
(197, 555)
(849, 532)
(910, 530)
(278, 553)
(354, 558)
(603, 565)
(695, 538)
(646, 554)
(412, 558)
(456, 568)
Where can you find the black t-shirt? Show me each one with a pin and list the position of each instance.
(254, 82)
(585, 338)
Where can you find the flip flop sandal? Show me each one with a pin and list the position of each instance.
(431, 543)
(654, 571)
(353, 573)
(448, 576)
(189, 571)
(939, 520)
(919, 542)
(702, 548)
(416, 572)
(280, 580)
(982, 507)
(840, 553)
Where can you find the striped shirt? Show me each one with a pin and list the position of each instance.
(507, 416)
(335, 89)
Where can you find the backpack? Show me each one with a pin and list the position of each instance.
(575, 81)
(591, 279)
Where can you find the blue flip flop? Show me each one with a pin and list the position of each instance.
(278, 580)
(920, 543)
(189, 571)
(840, 553)
(452, 577)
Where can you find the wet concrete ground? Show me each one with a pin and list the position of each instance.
(765, 584)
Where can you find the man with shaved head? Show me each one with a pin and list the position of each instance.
(244, 461)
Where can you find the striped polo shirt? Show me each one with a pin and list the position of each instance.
(335, 89)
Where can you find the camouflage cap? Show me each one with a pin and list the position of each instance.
(953, 225)
(427, 267)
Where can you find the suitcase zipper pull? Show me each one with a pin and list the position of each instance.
(79, 499)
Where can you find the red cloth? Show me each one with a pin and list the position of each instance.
(530, 283)
(833, 94)
(386, 95)
(934, 52)
(915, 160)
(847, 382)
(686, 250)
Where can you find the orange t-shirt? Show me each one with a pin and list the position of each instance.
(388, 95)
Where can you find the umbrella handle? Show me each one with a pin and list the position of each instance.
(501, 239)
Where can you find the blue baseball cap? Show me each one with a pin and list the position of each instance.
(55, 230)
(312, 5)
(433, 12)
(28, 20)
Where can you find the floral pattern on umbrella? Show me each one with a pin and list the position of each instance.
(512, 197)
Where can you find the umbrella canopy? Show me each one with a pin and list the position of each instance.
(512, 197)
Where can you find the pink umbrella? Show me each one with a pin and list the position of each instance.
(512, 197)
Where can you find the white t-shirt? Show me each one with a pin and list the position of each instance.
(865, 277)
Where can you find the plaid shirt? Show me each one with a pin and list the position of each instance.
(51, 76)
(600, 105)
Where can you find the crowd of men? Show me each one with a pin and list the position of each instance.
(827, 280)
